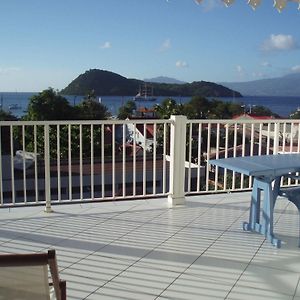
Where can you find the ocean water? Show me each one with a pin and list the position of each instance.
(283, 106)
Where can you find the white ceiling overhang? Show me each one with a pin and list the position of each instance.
(278, 4)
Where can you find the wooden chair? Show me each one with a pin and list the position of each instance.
(26, 277)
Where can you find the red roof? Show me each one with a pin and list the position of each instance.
(251, 116)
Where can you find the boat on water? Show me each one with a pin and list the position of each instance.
(145, 93)
(14, 106)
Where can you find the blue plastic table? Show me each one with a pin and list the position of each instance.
(265, 170)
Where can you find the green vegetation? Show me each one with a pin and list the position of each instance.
(6, 116)
(49, 105)
(295, 114)
(167, 108)
(198, 108)
(126, 110)
(107, 83)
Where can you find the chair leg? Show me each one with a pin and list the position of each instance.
(296, 201)
(63, 289)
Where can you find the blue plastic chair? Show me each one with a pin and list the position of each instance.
(293, 195)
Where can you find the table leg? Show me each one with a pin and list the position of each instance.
(254, 215)
(264, 227)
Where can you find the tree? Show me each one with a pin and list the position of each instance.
(91, 109)
(5, 131)
(126, 110)
(7, 116)
(198, 107)
(260, 110)
(167, 108)
(49, 105)
(295, 115)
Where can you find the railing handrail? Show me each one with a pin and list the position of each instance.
(86, 122)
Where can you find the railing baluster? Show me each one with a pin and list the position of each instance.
(217, 156)
(36, 182)
(1, 168)
(208, 155)
(234, 152)
(134, 161)
(24, 165)
(251, 149)
(190, 156)
(124, 162)
(284, 137)
(268, 138)
(260, 139)
(70, 161)
(243, 151)
(199, 156)
(92, 163)
(102, 162)
(154, 160)
(144, 160)
(47, 169)
(226, 155)
(80, 163)
(164, 157)
(12, 165)
(113, 162)
(58, 163)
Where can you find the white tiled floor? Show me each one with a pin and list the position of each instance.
(145, 250)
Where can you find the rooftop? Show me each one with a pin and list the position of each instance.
(146, 250)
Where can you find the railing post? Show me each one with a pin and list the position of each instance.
(276, 138)
(48, 208)
(177, 160)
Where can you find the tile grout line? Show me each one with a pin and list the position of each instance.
(226, 230)
(254, 255)
(150, 251)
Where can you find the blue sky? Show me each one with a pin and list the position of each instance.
(49, 43)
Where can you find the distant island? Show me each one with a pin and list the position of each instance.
(285, 86)
(106, 83)
(164, 79)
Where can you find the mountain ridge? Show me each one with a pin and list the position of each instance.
(288, 85)
(164, 79)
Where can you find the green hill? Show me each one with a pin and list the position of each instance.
(106, 83)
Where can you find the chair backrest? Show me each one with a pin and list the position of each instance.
(25, 276)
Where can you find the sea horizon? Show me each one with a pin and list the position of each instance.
(283, 106)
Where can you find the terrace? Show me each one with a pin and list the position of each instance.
(181, 239)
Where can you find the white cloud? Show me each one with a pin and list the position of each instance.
(106, 45)
(296, 68)
(209, 5)
(241, 73)
(266, 64)
(239, 69)
(258, 75)
(181, 64)
(9, 70)
(165, 45)
(279, 42)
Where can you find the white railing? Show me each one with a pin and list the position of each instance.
(76, 161)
